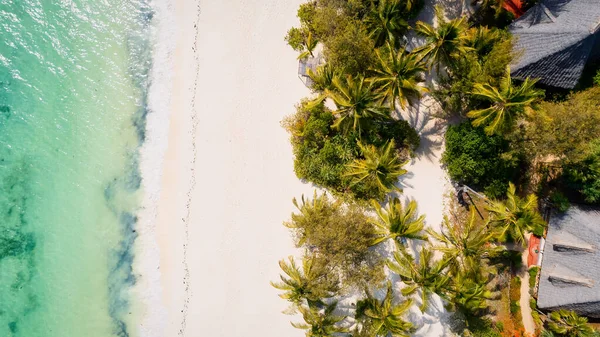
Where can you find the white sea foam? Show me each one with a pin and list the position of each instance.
(148, 289)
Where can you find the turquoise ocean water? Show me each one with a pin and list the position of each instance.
(73, 80)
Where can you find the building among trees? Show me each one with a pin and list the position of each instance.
(555, 40)
(570, 275)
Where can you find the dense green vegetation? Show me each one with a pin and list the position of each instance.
(483, 162)
(504, 141)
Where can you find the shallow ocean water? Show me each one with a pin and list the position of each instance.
(73, 91)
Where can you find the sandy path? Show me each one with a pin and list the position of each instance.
(528, 322)
(244, 82)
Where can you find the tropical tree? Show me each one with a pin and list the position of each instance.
(320, 323)
(384, 318)
(356, 104)
(468, 295)
(566, 323)
(309, 44)
(322, 78)
(396, 221)
(444, 44)
(482, 39)
(515, 216)
(466, 245)
(508, 103)
(397, 77)
(386, 23)
(311, 283)
(427, 275)
(380, 168)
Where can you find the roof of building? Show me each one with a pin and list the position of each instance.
(570, 275)
(554, 40)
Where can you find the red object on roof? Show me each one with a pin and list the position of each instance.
(514, 6)
(534, 249)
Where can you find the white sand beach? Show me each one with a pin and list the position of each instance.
(227, 177)
(235, 79)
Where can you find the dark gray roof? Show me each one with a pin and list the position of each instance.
(555, 39)
(570, 276)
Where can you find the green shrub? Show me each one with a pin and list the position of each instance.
(533, 272)
(538, 230)
(559, 201)
(597, 78)
(480, 161)
(514, 307)
(584, 176)
(322, 153)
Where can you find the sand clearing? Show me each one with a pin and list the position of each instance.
(230, 95)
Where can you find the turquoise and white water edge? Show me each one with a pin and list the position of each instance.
(75, 77)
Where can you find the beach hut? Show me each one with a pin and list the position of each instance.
(570, 274)
(555, 40)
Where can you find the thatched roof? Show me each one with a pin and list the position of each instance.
(570, 276)
(556, 39)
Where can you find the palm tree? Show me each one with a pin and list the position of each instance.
(444, 44)
(386, 23)
(380, 167)
(466, 245)
(383, 317)
(482, 39)
(356, 104)
(396, 221)
(566, 323)
(310, 284)
(515, 216)
(322, 78)
(309, 45)
(508, 103)
(427, 275)
(397, 77)
(320, 323)
(468, 295)
(308, 210)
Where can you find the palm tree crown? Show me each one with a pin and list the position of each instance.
(444, 44)
(427, 275)
(320, 323)
(396, 221)
(515, 216)
(397, 77)
(508, 102)
(380, 167)
(386, 23)
(356, 104)
(309, 284)
(569, 324)
(384, 318)
(466, 245)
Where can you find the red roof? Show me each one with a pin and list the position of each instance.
(514, 6)
(534, 248)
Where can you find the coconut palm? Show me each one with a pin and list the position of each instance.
(386, 23)
(508, 103)
(396, 221)
(427, 275)
(322, 78)
(380, 168)
(309, 283)
(466, 245)
(482, 39)
(444, 44)
(566, 323)
(356, 103)
(309, 45)
(398, 77)
(515, 216)
(468, 295)
(320, 323)
(384, 318)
